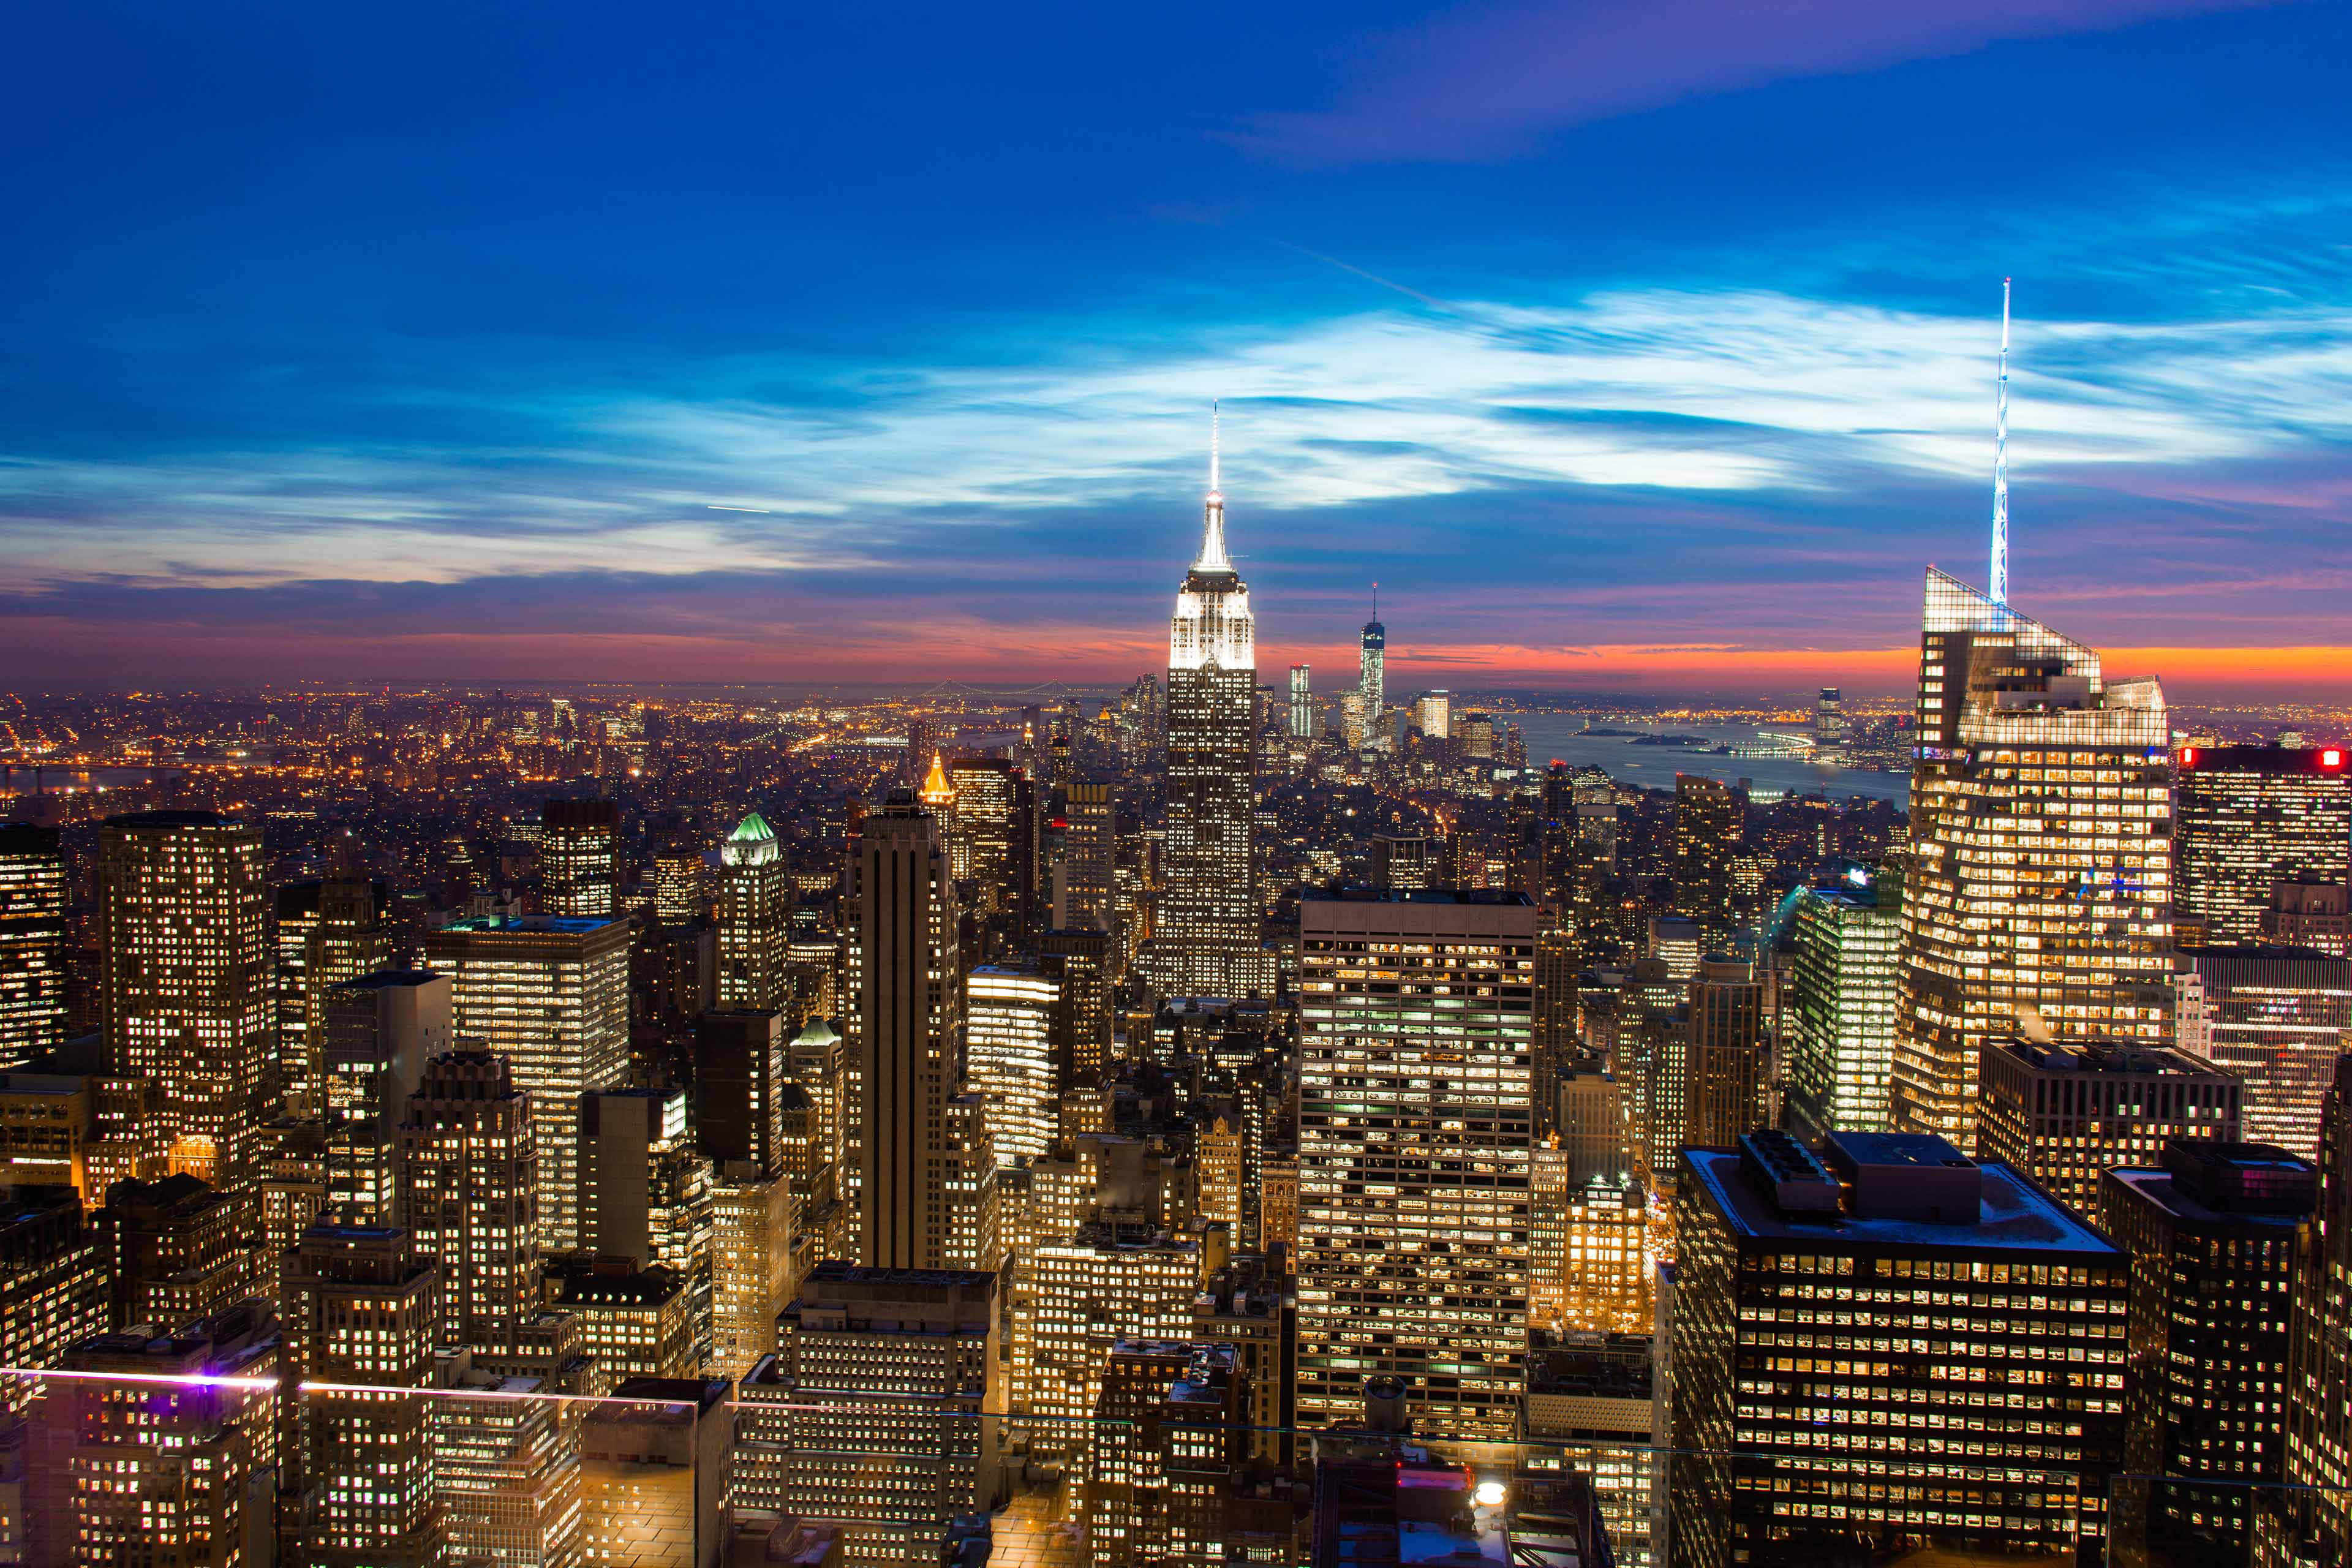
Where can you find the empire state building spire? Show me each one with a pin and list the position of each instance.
(1212, 557)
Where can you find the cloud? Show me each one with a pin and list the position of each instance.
(1490, 82)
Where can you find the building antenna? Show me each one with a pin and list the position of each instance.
(1376, 598)
(1213, 487)
(2000, 464)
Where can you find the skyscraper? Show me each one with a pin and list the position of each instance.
(980, 841)
(740, 1070)
(32, 945)
(551, 995)
(1207, 926)
(377, 1031)
(1415, 1140)
(2311, 1523)
(1838, 1020)
(2040, 873)
(1090, 857)
(2249, 817)
(1302, 703)
(1011, 1015)
(470, 1166)
(1706, 836)
(2212, 1233)
(910, 1014)
(2066, 1114)
(1729, 1070)
(2277, 1017)
(580, 858)
(1371, 667)
(1807, 1456)
(677, 877)
(185, 983)
(1828, 722)
(754, 909)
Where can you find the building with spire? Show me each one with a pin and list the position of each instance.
(1372, 675)
(1208, 930)
(754, 917)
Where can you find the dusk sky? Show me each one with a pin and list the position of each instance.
(1625, 345)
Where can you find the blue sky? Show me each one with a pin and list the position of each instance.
(1622, 346)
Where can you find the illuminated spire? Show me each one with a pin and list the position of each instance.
(1999, 587)
(1213, 556)
(935, 790)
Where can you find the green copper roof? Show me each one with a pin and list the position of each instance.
(751, 830)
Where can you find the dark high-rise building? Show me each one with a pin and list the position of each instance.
(376, 1033)
(327, 932)
(2277, 1017)
(32, 945)
(1090, 857)
(2309, 1524)
(1207, 934)
(2065, 1114)
(580, 858)
(2040, 875)
(2306, 912)
(1707, 835)
(2212, 1236)
(471, 1168)
(909, 1017)
(677, 877)
(1829, 721)
(1403, 862)
(740, 1069)
(1793, 1448)
(979, 843)
(1728, 1067)
(1080, 961)
(2248, 817)
(178, 1250)
(186, 981)
(1837, 1020)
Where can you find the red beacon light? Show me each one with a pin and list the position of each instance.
(2332, 758)
(2188, 756)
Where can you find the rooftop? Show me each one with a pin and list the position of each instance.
(2014, 1215)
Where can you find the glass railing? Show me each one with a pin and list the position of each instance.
(213, 1455)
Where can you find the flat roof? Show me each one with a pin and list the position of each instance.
(2161, 1188)
(2014, 1217)
(525, 925)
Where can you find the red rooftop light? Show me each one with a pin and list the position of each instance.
(2331, 758)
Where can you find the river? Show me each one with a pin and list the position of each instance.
(1560, 735)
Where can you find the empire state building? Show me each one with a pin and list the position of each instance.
(1208, 932)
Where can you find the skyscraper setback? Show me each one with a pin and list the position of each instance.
(2039, 886)
(1208, 930)
(910, 1021)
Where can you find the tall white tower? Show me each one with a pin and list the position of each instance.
(1208, 928)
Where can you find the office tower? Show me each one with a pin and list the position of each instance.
(1432, 715)
(2308, 913)
(1838, 1017)
(1828, 722)
(1678, 941)
(740, 1073)
(580, 858)
(177, 1475)
(2310, 1523)
(506, 1475)
(1168, 1433)
(1250, 1307)
(755, 895)
(636, 1322)
(360, 1322)
(653, 1474)
(1650, 1054)
(2248, 817)
(2212, 1235)
(2276, 1017)
(53, 1284)
(1706, 836)
(677, 877)
(469, 1165)
(1079, 961)
(551, 996)
(2066, 1113)
(291, 1195)
(32, 945)
(2040, 808)
(186, 980)
(1591, 1414)
(645, 1193)
(909, 1014)
(1401, 862)
(1207, 926)
(1094, 1285)
(752, 1247)
(177, 1250)
(1011, 1060)
(980, 844)
(48, 1125)
(1782, 1450)
(377, 1032)
(1729, 1074)
(1091, 856)
(327, 932)
(1415, 1132)
(1476, 732)
(1587, 1269)
(1302, 704)
(869, 1415)
(1556, 1037)
(1371, 667)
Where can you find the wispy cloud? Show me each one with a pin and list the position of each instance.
(1488, 82)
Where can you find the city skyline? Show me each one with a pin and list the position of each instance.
(1629, 404)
